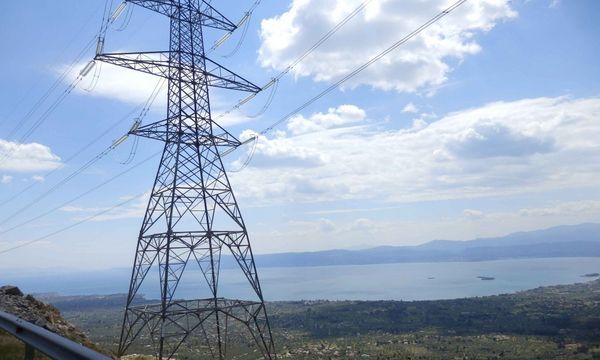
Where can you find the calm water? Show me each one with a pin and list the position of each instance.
(406, 281)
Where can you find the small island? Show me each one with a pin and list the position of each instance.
(486, 278)
(591, 275)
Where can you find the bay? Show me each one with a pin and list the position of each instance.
(400, 281)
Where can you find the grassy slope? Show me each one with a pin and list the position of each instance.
(13, 349)
(559, 322)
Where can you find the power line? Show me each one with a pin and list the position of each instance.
(63, 229)
(352, 74)
(144, 111)
(294, 63)
(63, 181)
(72, 200)
(244, 20)
(99, 38)
(106, 22)
(284, 118)
(71, 157)
(359, 69)
(35, 85)
(48, 92)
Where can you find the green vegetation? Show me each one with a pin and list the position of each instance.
(13, 349)
(558, 322)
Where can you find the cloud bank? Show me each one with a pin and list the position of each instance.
(501, 148)
(29, 157)
(422, 62)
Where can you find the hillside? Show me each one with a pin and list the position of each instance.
(557, 322)
(562, 241)
(30, 309)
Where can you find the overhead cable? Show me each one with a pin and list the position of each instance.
(106, 22)
(283, 119)
(71, 176)
(68, 227)
(72, 200)
(71, 157)
(355, 72)
(294, 63)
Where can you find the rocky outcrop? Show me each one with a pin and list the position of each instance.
(28, 308)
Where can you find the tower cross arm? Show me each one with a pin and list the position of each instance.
(199, 11)
(158, 63)
(161, 130)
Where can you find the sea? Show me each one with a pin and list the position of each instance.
(400, 281)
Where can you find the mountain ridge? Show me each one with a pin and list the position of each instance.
(582, 240)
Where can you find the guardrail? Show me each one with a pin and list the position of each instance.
(47, 342)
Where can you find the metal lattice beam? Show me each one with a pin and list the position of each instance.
(193, 11)
(192, 216)
(158, 63)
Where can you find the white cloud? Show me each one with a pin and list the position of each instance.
(38, 178)
(134, 87)
(334, 117)
(501, 148)
(133, 209)
(422, 62)
(6, 179)
(279, 153)
(410, 108)
(320, 234)
(27, 157)
(473, 214)
(564, 208)
(118, 83)
(350, 233)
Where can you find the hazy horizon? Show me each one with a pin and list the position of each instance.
(478, 127)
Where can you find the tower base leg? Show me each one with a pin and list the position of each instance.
(213, 328)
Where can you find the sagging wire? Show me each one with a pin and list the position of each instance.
(95, 78)
(106, 22)
(353, 73)
(144, 110)
(75, 173)
(245, 22)
(49, 92)
(132, 152)
(134, 146)
(274, 84)
(73, 155)
(56, 60)
(127, 19)
(245, 100)
(43, 117)
(242, 22)
(271, 127)
(254, 139)
(68, 227)
(99, 46)
(293, 64)
(138, 122)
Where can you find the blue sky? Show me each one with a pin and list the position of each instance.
(485, 124)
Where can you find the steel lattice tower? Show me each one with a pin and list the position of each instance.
(192, 214)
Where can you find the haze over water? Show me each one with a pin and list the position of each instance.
(401, 281)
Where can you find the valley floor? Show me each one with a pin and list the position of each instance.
(557, 322)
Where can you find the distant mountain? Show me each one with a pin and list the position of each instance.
(561, 241)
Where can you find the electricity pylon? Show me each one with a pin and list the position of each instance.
(192, 214)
